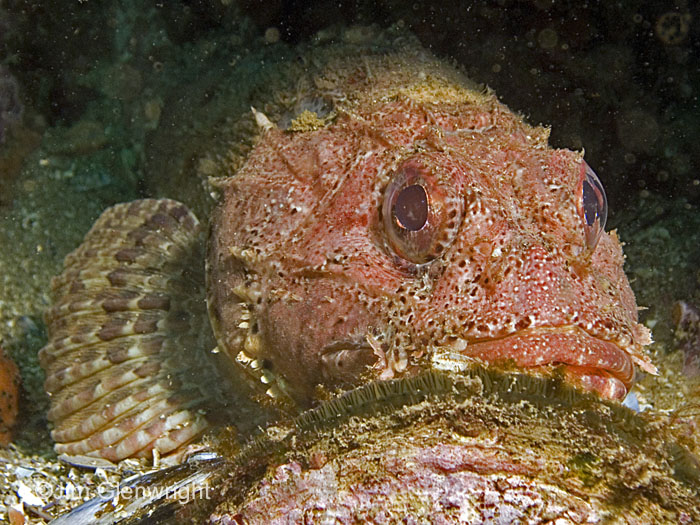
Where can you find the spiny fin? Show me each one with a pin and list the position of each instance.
(126, 365)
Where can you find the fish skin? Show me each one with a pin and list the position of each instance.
(128, 362)
(308, 289)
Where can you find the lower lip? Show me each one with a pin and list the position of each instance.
(590, 362)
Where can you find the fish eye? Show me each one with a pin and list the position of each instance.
(593, 206)
(420, 215)
(411, 208)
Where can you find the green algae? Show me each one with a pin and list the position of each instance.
(584, 465)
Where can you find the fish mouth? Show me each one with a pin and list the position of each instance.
(589, 362)
(343, 361)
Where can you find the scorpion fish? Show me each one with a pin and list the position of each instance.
(401, 220)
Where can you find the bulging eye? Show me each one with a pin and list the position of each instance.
(593, 206)
(420, 214)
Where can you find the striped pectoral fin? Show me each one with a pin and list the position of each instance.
(126, 364)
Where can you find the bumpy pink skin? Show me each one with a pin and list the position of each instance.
(329, 291)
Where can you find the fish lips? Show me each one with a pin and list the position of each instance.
(589, 362)
(592, 363)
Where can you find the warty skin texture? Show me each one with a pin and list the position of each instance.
(302, 248)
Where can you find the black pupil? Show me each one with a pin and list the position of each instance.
(411, 208)
(591, 203)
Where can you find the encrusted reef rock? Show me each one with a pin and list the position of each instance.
(480, 448)
(477, 447)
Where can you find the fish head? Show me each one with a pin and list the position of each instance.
(411, 227)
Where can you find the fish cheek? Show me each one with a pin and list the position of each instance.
(315, 340)
(225, 275)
